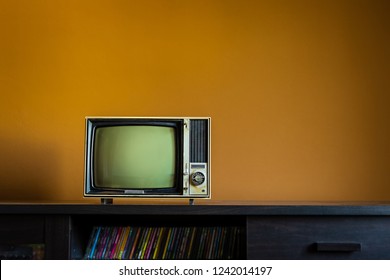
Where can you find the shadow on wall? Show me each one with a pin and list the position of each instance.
(27, 169)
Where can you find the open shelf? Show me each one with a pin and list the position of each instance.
(158, 237)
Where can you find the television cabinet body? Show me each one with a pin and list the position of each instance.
(267, 231)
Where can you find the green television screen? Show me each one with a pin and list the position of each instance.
(134, 157)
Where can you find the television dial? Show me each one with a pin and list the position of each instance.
(197, 178)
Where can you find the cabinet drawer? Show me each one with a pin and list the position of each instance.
(318, 237)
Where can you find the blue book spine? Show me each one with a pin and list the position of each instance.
(91, 256)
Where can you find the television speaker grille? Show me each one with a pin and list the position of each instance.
(199, 140)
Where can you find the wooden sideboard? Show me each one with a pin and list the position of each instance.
(329, 231)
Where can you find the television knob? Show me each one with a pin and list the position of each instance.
(197, 178)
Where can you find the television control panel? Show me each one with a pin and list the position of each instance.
(198, 179)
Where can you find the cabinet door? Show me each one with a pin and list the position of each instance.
(319, 237)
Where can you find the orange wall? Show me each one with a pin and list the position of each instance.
(298, 91)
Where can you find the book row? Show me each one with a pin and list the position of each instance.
(149, 243)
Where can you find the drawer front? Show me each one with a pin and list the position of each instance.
(318, 237)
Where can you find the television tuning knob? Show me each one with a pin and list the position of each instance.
(198, 178)
(186, 124)
(186, 170)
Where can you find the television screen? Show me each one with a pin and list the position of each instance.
(134, 157)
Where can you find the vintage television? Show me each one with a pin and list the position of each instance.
(164, 157)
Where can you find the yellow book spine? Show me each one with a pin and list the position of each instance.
(166, 244)
(124, 238)
(157, 249)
